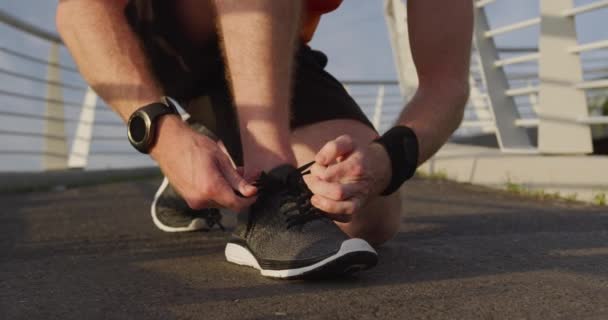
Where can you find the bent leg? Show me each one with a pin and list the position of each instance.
(380, 219)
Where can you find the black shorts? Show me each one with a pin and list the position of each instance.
(188, 72)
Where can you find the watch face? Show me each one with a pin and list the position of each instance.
(137, 129)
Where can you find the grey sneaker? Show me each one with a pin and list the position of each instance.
(171, 213)
(286, 237)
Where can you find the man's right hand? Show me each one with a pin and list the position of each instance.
(198, 168)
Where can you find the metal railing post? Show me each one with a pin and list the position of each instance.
(560, 102)
(55, 143)
(396, 21)
(378, 108)
(79, 155)
(504, 110)
(479, 104)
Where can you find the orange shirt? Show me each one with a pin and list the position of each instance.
(312, 15)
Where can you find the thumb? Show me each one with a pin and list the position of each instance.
(335, 150)
(236, 181)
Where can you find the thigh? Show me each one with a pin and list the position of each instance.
(318, 96)
(185, 68)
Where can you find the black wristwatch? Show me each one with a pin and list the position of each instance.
(142, 123)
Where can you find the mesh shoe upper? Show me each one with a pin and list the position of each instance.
(284, 230)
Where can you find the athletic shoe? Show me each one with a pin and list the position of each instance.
(171, 213)
(286, 237)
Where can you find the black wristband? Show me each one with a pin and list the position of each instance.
(401, 144)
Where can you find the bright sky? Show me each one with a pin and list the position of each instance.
(355, 39)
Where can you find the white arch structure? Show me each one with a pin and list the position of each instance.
(562, 122)
(549, 147)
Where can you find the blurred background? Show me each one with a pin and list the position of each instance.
(42, 98)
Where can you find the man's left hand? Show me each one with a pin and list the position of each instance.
(346, 176)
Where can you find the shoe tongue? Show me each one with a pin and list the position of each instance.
(285, 174)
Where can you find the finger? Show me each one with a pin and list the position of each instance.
(317, 170)
(333, 190)
(229, 200)
(223, 194)
(211, 193)
(334, 149)
(339, 208)
(350, 169)
(240, 170)
(235, 180)
(222, 147)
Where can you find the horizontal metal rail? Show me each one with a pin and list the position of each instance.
(603, 44)
(512, 27)
(521, 76)
(58, 137)
(129, 153)
(41, 80)
(519, 59)
(69, 104)
(31, 29)
(370, 82)
(594, 120)
(596, 84)
(477, 123)
(522, 91)
(516, 49)
(585, 8)
(38, 60)
(30, 153)
(527, 123)
(30, 134)
(56, 119)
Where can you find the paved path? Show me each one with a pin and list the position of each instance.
(463, 253)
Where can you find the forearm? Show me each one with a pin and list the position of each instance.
(108, 53)
(434, 114)
(259, 41)
(441, 34)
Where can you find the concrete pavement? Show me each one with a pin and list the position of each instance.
(463, 253)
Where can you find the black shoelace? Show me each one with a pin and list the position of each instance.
(295, 192)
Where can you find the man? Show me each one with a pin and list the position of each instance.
(261, 105)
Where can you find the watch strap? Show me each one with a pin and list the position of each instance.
(150, 114)
(157, 109)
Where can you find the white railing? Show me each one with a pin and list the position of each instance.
(50, 123)
(68, 127)
(551, 104)
(64, 125)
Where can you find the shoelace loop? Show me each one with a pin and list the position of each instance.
(296, 192)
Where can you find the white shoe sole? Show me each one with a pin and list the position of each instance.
(240, 255)
(196, 224)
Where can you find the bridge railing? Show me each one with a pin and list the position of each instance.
(547, 111)
(54, 121)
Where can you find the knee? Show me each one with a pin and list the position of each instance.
(382, 232)
(378, 222)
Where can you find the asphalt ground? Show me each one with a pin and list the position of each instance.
(463, 252)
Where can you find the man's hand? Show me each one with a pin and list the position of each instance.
(198, 168)
(346, 176)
